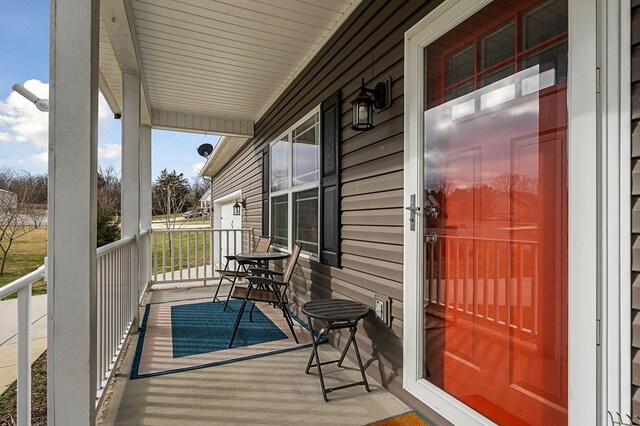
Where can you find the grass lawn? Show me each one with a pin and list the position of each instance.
(173, 241)
(26, 255)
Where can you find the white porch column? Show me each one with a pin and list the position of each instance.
(73, 147)
(145, 200)
(130, 198)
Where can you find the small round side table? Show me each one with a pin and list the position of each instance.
(338, 314)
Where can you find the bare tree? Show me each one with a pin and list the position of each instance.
(506, 183)
(19, 215)
(108, 197)
(108, 205)
(171, 192)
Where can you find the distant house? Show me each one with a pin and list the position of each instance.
(205, 200)
(8, 199)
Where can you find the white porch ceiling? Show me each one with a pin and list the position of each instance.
(217, 59)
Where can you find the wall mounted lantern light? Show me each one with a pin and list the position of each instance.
(241, 204)
(363, 106)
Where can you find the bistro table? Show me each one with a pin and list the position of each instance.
(338, 314)
(261, 258)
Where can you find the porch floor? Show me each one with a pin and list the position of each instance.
(267, 390)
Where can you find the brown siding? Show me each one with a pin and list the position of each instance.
(369, 44)
(635, 203)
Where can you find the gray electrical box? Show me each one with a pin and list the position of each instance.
(382, 309)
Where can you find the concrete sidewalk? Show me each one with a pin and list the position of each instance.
(9, 339)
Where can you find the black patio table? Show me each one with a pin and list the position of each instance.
(338, 314)
(262, 258)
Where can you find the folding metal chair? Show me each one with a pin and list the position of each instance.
(241, 270)
(268, 290)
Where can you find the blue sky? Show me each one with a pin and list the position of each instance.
(24, 49)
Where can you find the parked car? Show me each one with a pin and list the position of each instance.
(191, 213)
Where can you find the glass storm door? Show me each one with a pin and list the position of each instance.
(495, 212)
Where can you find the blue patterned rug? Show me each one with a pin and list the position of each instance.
(191, 334)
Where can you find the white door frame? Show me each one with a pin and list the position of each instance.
(584, 239)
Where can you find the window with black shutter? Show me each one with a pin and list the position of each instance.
(301, 185)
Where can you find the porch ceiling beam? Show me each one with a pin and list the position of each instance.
(201, 124)
(109, 96)
(118, 20)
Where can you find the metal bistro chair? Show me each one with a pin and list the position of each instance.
(262, 245)
(268, 290)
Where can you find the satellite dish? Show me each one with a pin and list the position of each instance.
(205, 150)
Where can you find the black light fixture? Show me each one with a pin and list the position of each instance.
(363, 106)
(241, 204)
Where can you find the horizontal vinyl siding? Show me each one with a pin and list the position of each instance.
(369, 44)
(635, 204)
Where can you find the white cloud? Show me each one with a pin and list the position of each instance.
(21, 121)
(197, 167)
(110, 151)
(41, 157)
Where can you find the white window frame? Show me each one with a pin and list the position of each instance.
(290, 190)
(584, 263)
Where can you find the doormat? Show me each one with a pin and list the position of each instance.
(191, 334)
(410, 418)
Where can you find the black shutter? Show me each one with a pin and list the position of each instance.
(330, 181)
(265, 190)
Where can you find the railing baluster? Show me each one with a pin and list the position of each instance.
(172, 241)
(24, 355)
(211, 251)
(520, 287)
(189, 254)
(204, 254)
(220, 248)
(164, 256)
(180, 253)
(155, 257)
(196, 256)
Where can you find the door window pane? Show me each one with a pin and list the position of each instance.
(280, 220)
(305, 220)
(306, 152)
(497, 75)
(544, 22)
(461, 65)
(553, 59)
(498, 46)
(459, 91)
(280, 164)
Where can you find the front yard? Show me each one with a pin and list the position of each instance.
(26, 255)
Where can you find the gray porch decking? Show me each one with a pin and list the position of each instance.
(267, 390)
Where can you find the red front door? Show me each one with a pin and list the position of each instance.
(495, 195)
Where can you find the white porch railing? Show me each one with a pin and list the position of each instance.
(164, 255)
(189, 254)
(114, 313)
(22, 286)
(492, 279)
